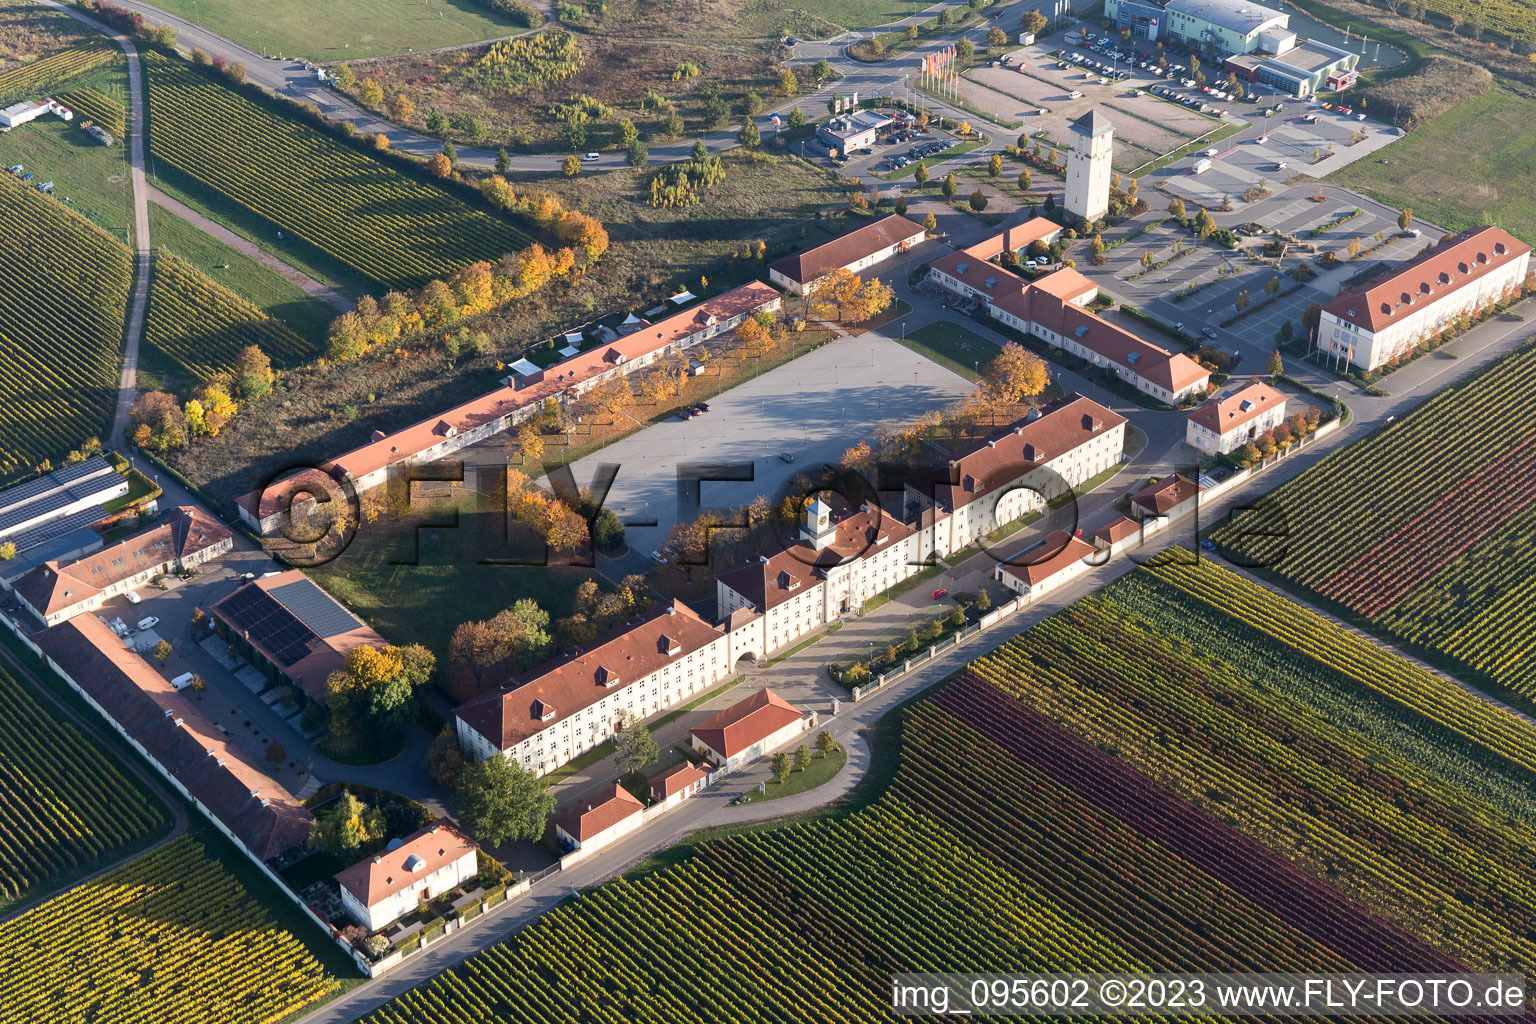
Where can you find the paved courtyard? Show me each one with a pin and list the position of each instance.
(812, 408)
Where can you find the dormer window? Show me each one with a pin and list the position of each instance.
(961, 268)
(606, 677)
(668, 645)
(542, 711)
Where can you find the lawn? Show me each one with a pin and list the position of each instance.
(277, 296)
(346, 28)
(819, 772)
(1474, 164)
(862, 13)
(88, 177)
(952, 346)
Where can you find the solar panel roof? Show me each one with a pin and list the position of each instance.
(315, 608)
(54, 528)
(268, 624)
(37, 497)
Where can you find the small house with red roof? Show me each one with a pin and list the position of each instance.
(1172, 497)
(1234, 418)
(593, 824)
(679, 782)
(1042, 567)
(748, 729)
(390, 884)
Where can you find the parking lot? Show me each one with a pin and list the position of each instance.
(811, 409)
(903, 148)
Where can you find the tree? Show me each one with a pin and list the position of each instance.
(995, 165)
(1097, 247)
(788, 83)
(796, 118)
(162, 651)
(911, 32)
(1014, 375)
(628, 133)
(964, 49)
(978, 200)
(370, 92)
(401, 108)
(781, 767)
(381, 142)
(1025, 180)
(1353, 247)
(1405, 219)
(822, 71)
(7, 551)
(802, 757)
(638, 155)
(901, 206)
(749, 136)
(1176, 208)
(200, 57)
(672, 127)
(699, 150)
(440, 165)
(983, 600)
(1276, 365)
(996, 36)
(451, 151)
(1312, 316)
(252, 372)
(930, 223)
(634, 748)
(1033, 22)
(275, 752)
(349, 826)
(343, 77)
(236, 73)
(950, 187)
(444, 759)
(503, 162)
(825, 744)
(920, 173)
(1272, 285)
(499, 801)
(571, 166)
(751, 104)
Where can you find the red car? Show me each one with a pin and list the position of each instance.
(940, 594)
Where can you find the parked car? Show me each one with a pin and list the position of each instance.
(659, 557)
(786, 457)
(1208, 332)
(940, 594)
(149, 622)
(589, 157)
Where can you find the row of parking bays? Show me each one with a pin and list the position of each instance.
(916, 153)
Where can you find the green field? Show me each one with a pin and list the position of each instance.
(348, 209)
(861, 13)
(270, 291)
(1474, 164)
(62, 304)
(952, 346)
(347, 28)
(63, 805)
(87, 176)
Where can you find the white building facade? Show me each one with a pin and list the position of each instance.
(1088, 166)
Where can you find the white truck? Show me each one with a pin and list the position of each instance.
(1202, 165)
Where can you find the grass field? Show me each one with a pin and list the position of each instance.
(861, 13)
(266, 289)
(170, 937)
(65, 806)
(87, 176)
(819, 772)
(62, 304)
(349, 28)
(1474, 164)
(952, 346)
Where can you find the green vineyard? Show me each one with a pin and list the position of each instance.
(1437, 549)
(63, 805)
(44, 73)
(200, 326)
(384, 225)
(170, 938)
(1184, 772)
(62, 305)
(90, 105)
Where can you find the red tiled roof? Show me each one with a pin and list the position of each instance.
(773, 579)
(848, 248)
(1173, 371)
(1063, 425)
(1053, 554)
(183, 532)
(253, 805)
(1233, 409)
(1171, 490)
(1456, 261)
(1065, 284)
(746, 722)
(1117, 531)
(411, 441)
(567, 685)
(678, 778)
(384, 874)
(588, 819)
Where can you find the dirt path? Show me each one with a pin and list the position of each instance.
(325, 293)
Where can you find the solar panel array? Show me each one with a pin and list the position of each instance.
(315, 608)
(37, 497)
(55, 528)
(253, 613)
